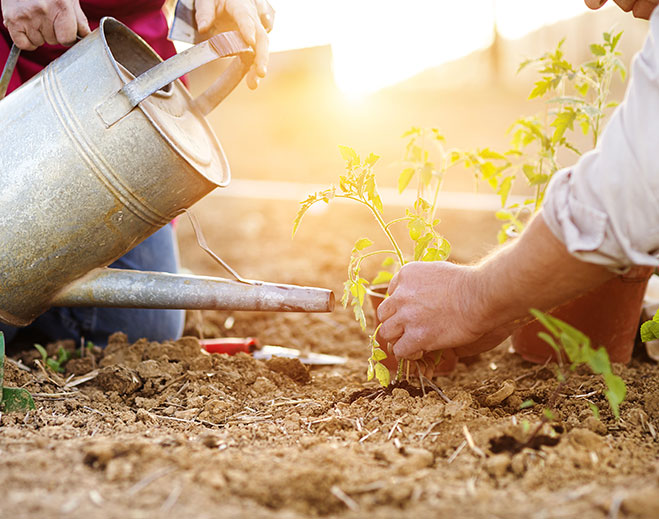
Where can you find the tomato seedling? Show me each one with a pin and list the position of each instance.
(425, 160)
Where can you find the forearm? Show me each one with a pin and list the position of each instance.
(535, 271)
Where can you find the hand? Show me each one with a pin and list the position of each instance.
(31, 23)
(431, 306)
(640, 8)
(252, 18)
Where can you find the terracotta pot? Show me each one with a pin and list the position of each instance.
(608, 314)
(376, 294)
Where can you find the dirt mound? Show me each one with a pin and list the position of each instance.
(160, 429)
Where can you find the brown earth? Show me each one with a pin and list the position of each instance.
(166, 430)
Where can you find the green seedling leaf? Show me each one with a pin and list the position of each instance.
(421, 245)
(432, 254)
(382, 374)
(416, 228)
(488, 154)
(371, 159)
(595, 410)
(42, 351)
(563, 121)
(15, 399)
(414, 130)
(548, 414)
(378, 354)
(54, 365)
(12, 399)
(541, 88)
(550, 340)
(597, 49)
(382, 277)
(362, 244)
(504, 189)
(527, 403)
(454, 157)
(616, 392)
(405, 178)
(650, 330)
(598, 360)
(546, 320)
(582, 89)
(349, 155)
(388, 262)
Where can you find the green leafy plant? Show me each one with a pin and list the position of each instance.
(577, 97)
(425, 161)
(573, 349)
(12, 398)
(56, 364)
(650, 329)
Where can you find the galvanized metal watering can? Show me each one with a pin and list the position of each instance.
(97, 152)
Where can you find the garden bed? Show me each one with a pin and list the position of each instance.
(165, 429)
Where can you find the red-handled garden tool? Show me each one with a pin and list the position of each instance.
(233, 345)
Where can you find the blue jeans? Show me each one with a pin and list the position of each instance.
(158, 252)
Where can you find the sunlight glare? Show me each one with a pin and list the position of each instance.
(377, 43)
(380, 42)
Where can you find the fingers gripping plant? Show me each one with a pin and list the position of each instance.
(358, 184)
(575, 95)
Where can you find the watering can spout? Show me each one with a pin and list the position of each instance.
(136, 289)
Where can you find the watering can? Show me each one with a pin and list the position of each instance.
(97, 152)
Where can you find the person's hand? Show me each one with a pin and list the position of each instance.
(31, 23)
(429, 364)
(640, 8)
(252, 18)
(432, 306)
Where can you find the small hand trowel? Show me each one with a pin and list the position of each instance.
(233, 345)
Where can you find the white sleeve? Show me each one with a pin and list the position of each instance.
(606, 208)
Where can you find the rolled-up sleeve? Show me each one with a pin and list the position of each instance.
(605, 209)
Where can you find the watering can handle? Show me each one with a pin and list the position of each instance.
(222, 45)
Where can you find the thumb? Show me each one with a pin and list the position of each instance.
(595, 4)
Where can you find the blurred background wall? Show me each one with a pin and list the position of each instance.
(361, 72)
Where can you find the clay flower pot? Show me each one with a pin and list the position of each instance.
(608, 314)
(376, 294)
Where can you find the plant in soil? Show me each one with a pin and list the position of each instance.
(573, 349)
(650, 329)
(58, 362)
(425, 160)
(541, 144)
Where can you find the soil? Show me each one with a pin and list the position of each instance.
(151, 430)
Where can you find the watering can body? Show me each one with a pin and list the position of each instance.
(89, 168)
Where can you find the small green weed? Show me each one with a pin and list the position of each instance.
(62, 356)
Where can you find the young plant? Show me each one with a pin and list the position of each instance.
(573, 349)
(650, 329)
(12, 398)
(425, 160)
(575, 95)
(55, 364)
